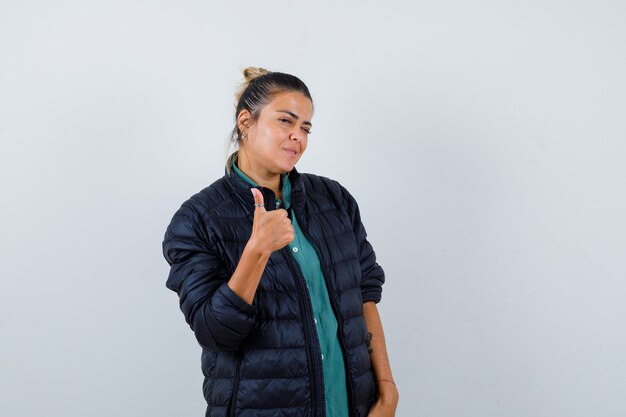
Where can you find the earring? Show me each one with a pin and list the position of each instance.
(244, 135)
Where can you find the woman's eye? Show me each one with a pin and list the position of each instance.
(285, 120)
(308, 132)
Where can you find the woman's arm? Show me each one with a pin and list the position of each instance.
(219, 318)
(388, 393)
(271, 230)
(372, 279)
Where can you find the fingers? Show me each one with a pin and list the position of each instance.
(258, 199)
(273, 227)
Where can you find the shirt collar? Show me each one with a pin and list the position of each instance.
(286, 184)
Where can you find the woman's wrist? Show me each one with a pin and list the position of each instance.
(387, 391)
(257, 249)
(391, 381)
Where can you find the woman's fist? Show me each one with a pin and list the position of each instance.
(271, 229)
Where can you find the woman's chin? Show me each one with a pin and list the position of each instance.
(287, 167)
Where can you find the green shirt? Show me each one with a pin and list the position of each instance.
(325, 321)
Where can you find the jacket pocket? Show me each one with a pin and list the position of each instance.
(233, 396)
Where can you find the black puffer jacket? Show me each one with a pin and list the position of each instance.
(264, 359)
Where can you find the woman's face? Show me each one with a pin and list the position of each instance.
(277, 140)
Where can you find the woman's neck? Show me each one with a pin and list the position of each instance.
(261, 177)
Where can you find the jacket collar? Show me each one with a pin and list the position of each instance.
(240, 188)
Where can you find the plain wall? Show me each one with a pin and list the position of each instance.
(484, 142)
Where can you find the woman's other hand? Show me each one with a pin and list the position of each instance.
(387, 401)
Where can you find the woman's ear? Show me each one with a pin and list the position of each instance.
(243, 120)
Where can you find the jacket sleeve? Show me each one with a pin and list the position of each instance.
(372, 274)
(218, 317)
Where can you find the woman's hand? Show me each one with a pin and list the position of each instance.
(387, 401)
(387, 392)
(271, 230)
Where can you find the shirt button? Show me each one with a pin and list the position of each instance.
(295, 249)
(322, 356)
(314, 320)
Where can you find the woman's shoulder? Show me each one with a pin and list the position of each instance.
(205, 200)
(319, 186)
(322, 184)
(211, 195)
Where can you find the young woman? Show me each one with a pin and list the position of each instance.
(275, 275)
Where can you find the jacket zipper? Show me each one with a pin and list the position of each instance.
(351, 405)
(233, 397)
(310, 337)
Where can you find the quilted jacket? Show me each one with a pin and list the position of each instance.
(264, 359)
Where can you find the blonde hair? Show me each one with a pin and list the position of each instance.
(249, 74)
(259, 87)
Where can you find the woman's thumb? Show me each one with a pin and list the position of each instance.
(258, 199)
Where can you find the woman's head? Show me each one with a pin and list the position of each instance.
(272, 120)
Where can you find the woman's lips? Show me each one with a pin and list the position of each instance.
(290, 152)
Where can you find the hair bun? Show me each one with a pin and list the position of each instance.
(250, 73)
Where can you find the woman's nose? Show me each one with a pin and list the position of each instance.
(296, 136)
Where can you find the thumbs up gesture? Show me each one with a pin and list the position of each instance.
(271, 229)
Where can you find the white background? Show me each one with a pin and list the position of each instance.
(484, 142)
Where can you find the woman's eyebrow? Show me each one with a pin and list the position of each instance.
(295, 116)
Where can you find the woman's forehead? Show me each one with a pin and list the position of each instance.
(292, 102)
